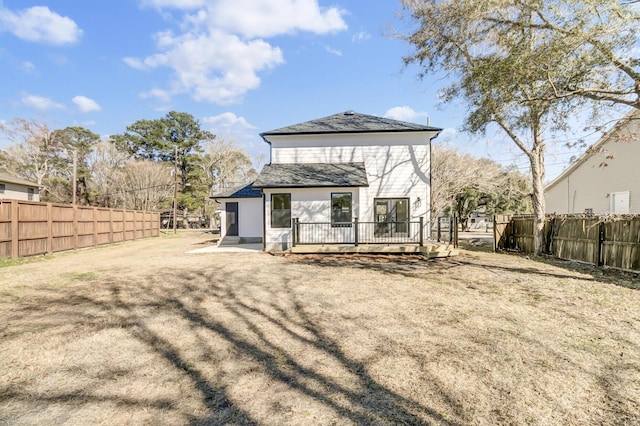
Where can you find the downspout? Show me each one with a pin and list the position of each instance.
(264, 201)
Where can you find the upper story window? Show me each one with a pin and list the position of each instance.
(2, 187)
(280, 210)
(341, 208)
(30, 193)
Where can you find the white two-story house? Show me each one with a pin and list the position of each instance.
(344, 178)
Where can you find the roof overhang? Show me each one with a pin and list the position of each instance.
(312, 175)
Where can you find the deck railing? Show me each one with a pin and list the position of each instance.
(357, 232)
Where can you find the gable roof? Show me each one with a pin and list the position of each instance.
(4, 177)
(350, 122)
(242, 191)
(305, 175)
(634, 114)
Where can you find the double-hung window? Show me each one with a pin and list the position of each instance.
(280, 210)
(341, 209)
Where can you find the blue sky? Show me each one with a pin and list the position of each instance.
(241, 67)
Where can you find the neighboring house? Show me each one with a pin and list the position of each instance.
(332, 170)
(15, 188)
(606, 179)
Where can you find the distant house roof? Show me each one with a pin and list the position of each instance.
(634, 114)
(350, 122)
(4, 177)
(312, 175)
(242, 191)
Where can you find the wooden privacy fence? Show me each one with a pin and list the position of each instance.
(612, 241)
(29, 228)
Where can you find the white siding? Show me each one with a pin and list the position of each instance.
(308, 205)
(14, 191)
(249, 217)
(590, 184)
(397, 165)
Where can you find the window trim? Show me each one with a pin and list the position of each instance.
(278, 225)
(335, 224)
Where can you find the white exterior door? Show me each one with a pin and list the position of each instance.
(620, 202)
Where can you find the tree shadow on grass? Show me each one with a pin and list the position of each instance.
(372, 404)
(254, 326)
(412, 266)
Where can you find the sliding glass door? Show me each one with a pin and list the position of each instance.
(391, 216)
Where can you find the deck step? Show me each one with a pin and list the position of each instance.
(229, 241)
(432, 250)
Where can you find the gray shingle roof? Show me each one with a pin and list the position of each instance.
(243, 191)
(4, 177)
(312, 175)
(350, 122)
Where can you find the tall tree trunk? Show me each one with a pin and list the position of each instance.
(536, 158)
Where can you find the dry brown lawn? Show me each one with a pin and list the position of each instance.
(142, 333)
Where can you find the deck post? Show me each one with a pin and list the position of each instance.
(294, 231)
(421, 231)
(355, 231)
(601, 236)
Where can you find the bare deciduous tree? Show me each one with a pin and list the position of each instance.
(227, 164)
(142, 185)
(34, 150)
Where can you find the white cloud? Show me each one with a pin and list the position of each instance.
(228, 120)
(175, 4)
(268, 18)
(333, 51)
(360, 36)
(230, 127)
(39, 24)
(135, 63)
(86, 104)
(160, 94)
(406, 113)
(221, 51)
(40, 102)
(447, 135)
(28, 67)
(214, 67)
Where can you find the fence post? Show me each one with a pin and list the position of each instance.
(439, 230)
(421, 231)
(600, 260)
(356, 231)
(495, 234)
(95, 226)
(15, 229)
(455, 231)
(49, 228)
(75, 227)
(110, 225)
(450, 230)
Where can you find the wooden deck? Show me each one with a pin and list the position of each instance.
(430, 249)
